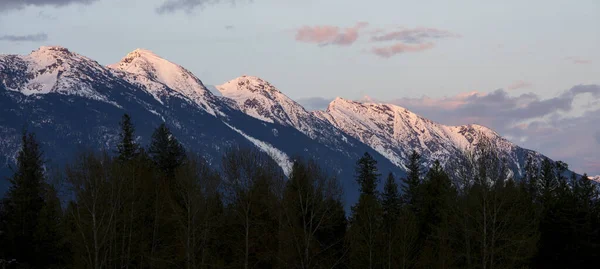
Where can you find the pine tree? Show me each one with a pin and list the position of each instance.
(391, 205)
(434, 211)
(31, 214)
(413, 179)
(127, 147)
(366, 171)
(366, 218)
(166, 152)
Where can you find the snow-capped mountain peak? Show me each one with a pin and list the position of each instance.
(54, 69)
(394, 131)
(157, 75)
(260, 99)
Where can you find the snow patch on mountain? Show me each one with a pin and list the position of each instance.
(277, 155)
(157, 75)
(394, 131)
(54, 69)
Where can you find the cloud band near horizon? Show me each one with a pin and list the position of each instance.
(25, 38)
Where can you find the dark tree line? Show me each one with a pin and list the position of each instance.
(164, 207)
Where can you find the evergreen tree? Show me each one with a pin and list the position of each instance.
(127, 147)
(435, 207)
(166, 152)
(31, 211)
(413, 178)
(366, 174)
(366, 218)
(391, 206)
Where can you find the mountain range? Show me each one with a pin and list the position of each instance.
(73, 103)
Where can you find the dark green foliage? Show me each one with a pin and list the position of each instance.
(127, 148)
(166, 151)
(367, 174)
(366, 218)
(29, 231)
(413, 179)
(165, 209)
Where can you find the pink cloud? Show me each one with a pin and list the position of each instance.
(330, 35)
(577, 60)
(519, 85)
(387, 52)
(415, 35)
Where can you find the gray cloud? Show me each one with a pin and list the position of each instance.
(314, 103)
(577, 60)
(415, 35)
(170, 6)
(598, 137)
(24, 38)
(20, 4)
(229, 27)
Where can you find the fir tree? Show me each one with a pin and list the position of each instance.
(166, 152)
(127, 147)
(366, 174)
(365, 222)
(413, 179)
(30, 210)
(391, 205)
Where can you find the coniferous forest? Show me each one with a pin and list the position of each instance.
(162, 206)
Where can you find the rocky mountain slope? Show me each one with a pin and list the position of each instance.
(72, 102)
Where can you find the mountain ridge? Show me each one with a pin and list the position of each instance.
(249, 111)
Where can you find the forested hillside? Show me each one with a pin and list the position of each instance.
(164, 206)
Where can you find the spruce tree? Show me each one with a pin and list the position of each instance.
(127, 147)
(29, 235)
(391, 205)
(366, 218)
(166, 152)
(413, 178)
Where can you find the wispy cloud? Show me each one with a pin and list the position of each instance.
(330, 35)
(20, 4)
(229, 27)
(577, 60)
(25, 38)
(519, 85)
(414, 35)
(170, 6)
(398, 48)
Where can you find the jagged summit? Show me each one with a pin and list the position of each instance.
(394, 131)
(249, 83)
(54, 69)
(260, 99)
(158, 75)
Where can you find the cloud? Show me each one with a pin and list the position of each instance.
(330, 35)
(20, 4)
(598, 136)
(520, 85)
(170, 6)
(577, 60)
(398, 48)
(25, 38)
(314, 103)
(414, 36)
(229, 27)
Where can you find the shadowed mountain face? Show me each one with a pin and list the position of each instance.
(73, 103)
